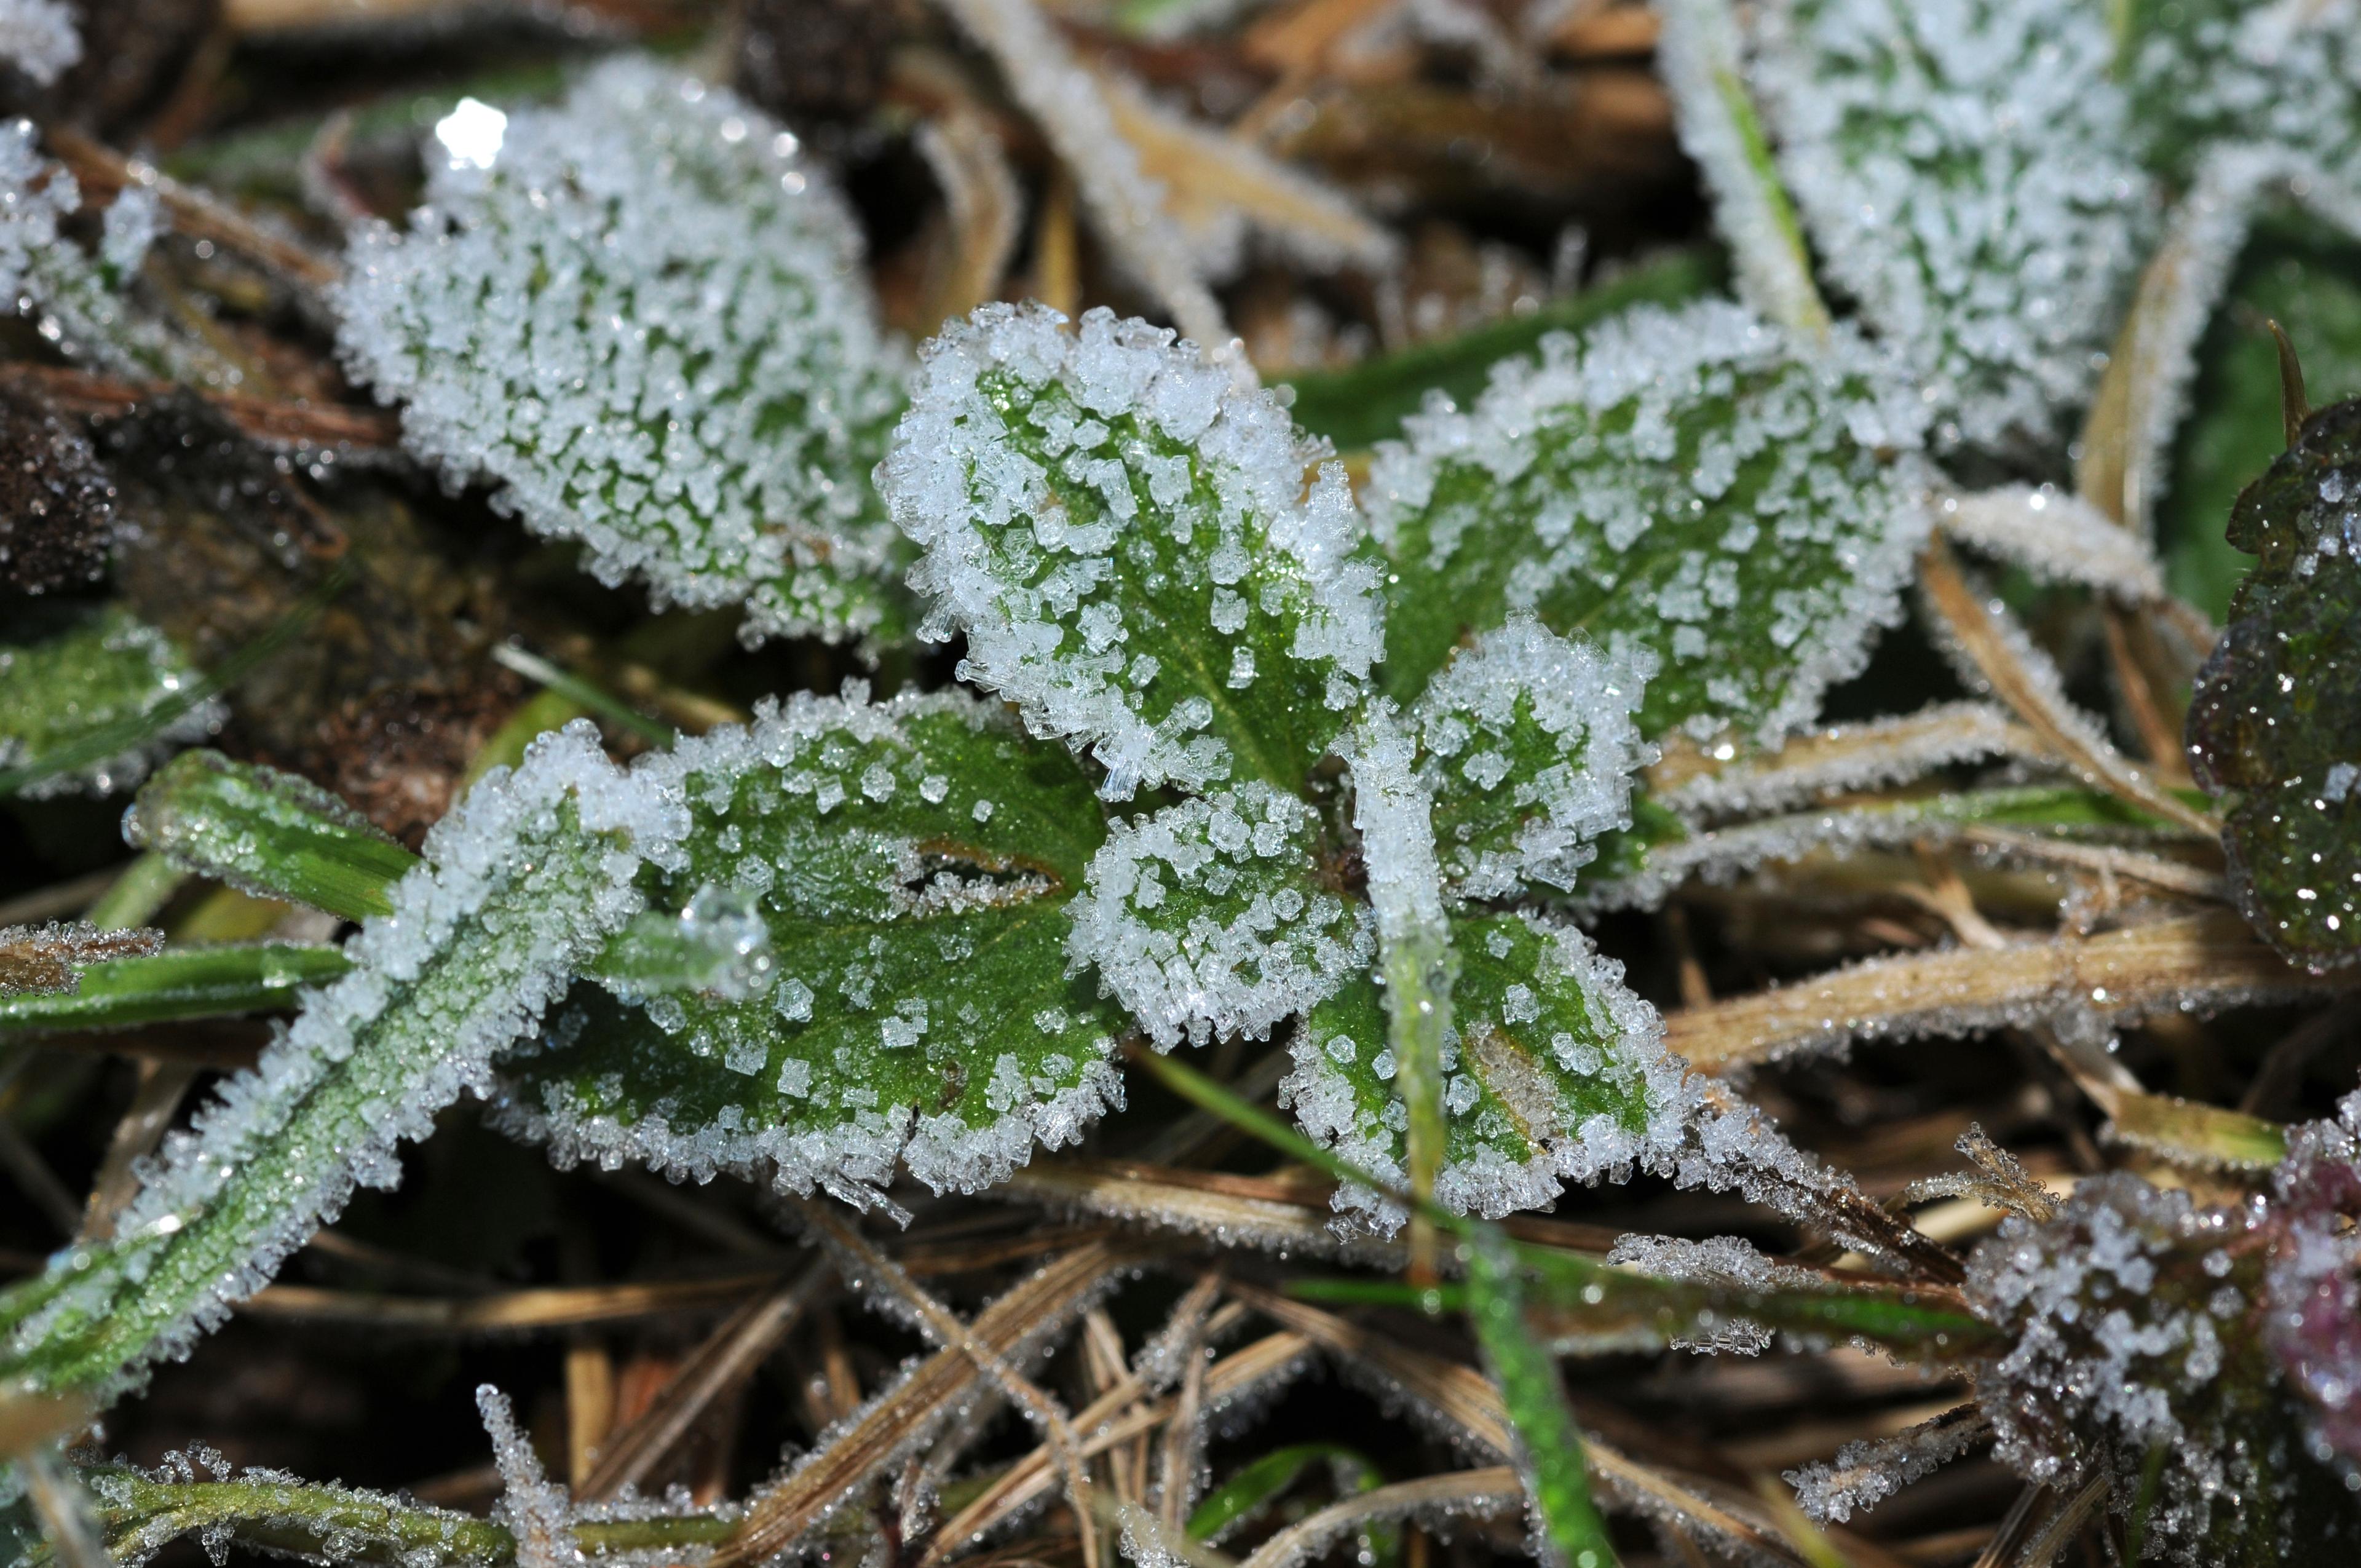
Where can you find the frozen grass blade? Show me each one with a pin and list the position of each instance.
(269, 833)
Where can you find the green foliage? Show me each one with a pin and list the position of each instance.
(1556, 1476)
(2276, 721)
(90, 696)
(175, 985)
(1260, 1481)
(2204, 72)
(269, 833)
(1699, 493)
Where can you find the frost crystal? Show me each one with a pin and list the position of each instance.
(1867, 1471)
(1964, 169)
(2056, 536)
(645, 318)
(1209, 918)
(1696, 486)
(1097, 511)
(1527, 744)
(37, 37)
(1722, 1260)
(917, 1005)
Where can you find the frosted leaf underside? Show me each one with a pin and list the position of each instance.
(69, 672)
(647, 320)
(1130, 547)
(1527, 745)
(1694, 486)
(1964, 171)
(911, 863)
(1557, 1072)
(1210, 917)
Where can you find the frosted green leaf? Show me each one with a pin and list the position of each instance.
(1129, 546)
(911, 862)
(1556, 1071)
(644, 317)
(1695, 486)
(1216, 917)
(270, 833)
(2207, 71)
(521, 884)
(71, 676)
(1527, 744)
(1965, 172)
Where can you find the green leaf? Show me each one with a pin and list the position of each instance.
(1527, 744)
(2295, 272)
(1556, 1478)
(912, 864)
(1695, 490)
(268, 833)
(91, 697)
(175, 985)
(2204, 72)
(1967, 176)
(2276, 721)
(1366, 403)
(1129, 546)
(1258, 1482)
(521, 884)
(1219, 917)
(646, 319)
(1556, 1071)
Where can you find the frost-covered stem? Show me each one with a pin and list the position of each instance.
(284, 1517)
(1697, 53)
(1070, 106)
(1415, 963)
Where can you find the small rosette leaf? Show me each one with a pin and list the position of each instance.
(644, 317)
(1554, 1072)
(858, 960)
(1215, 917)
(1129, 546)
(1528, 745)
(1697, 490)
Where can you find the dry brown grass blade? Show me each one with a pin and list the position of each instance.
(272, 421)
(548, 1306)
(1983, 635)
(1838, 756)
(2168, 876)
(1482, 1493)
(985, 206)
(154, 1101)
(781, 1514)
(102, 170)
(2210, 959)
(1114, 1418)
(728, 1356)
(1464, 1399)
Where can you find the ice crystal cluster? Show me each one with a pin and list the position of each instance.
(1698, 484)
(39, 38)
(2143, 1322)
(1964, 171)
(644, 318)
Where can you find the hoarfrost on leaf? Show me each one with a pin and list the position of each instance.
(645, 318)
(2282, 72)
(1528, 745)
(1106, 518)
(1697, 486)
(915, 1005)
(72, 673)
(1964, 169)
(1211, 918)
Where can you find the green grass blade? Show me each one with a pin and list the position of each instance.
(170, 987)
(1556, 1476)
(268, 833)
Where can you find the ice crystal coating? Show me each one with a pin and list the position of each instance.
(1964, 169)
(1863, 756)
(69, 674)
(644, 317)
(2137, 1324)
(1527, 744)
(521, 883)
(1554, 1072)
(1868, 1471)
(1694, 485)
(915, 1004)
(39, 38)
(1099, 512)
(2286, 73)
(1210, 917)
(48, 958)
(2314, 1282)
(1718, 1260)
(2276, 718)
(2056, 536)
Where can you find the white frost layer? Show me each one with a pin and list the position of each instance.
(1053, 642)
(1205, 920)
(1867, 1472)
(39, 38)
(1869, 755)
(377, 1054)
(1964, 168)
(2056, 536)
(1626, 385)
(646, 319)
(1472, 738)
